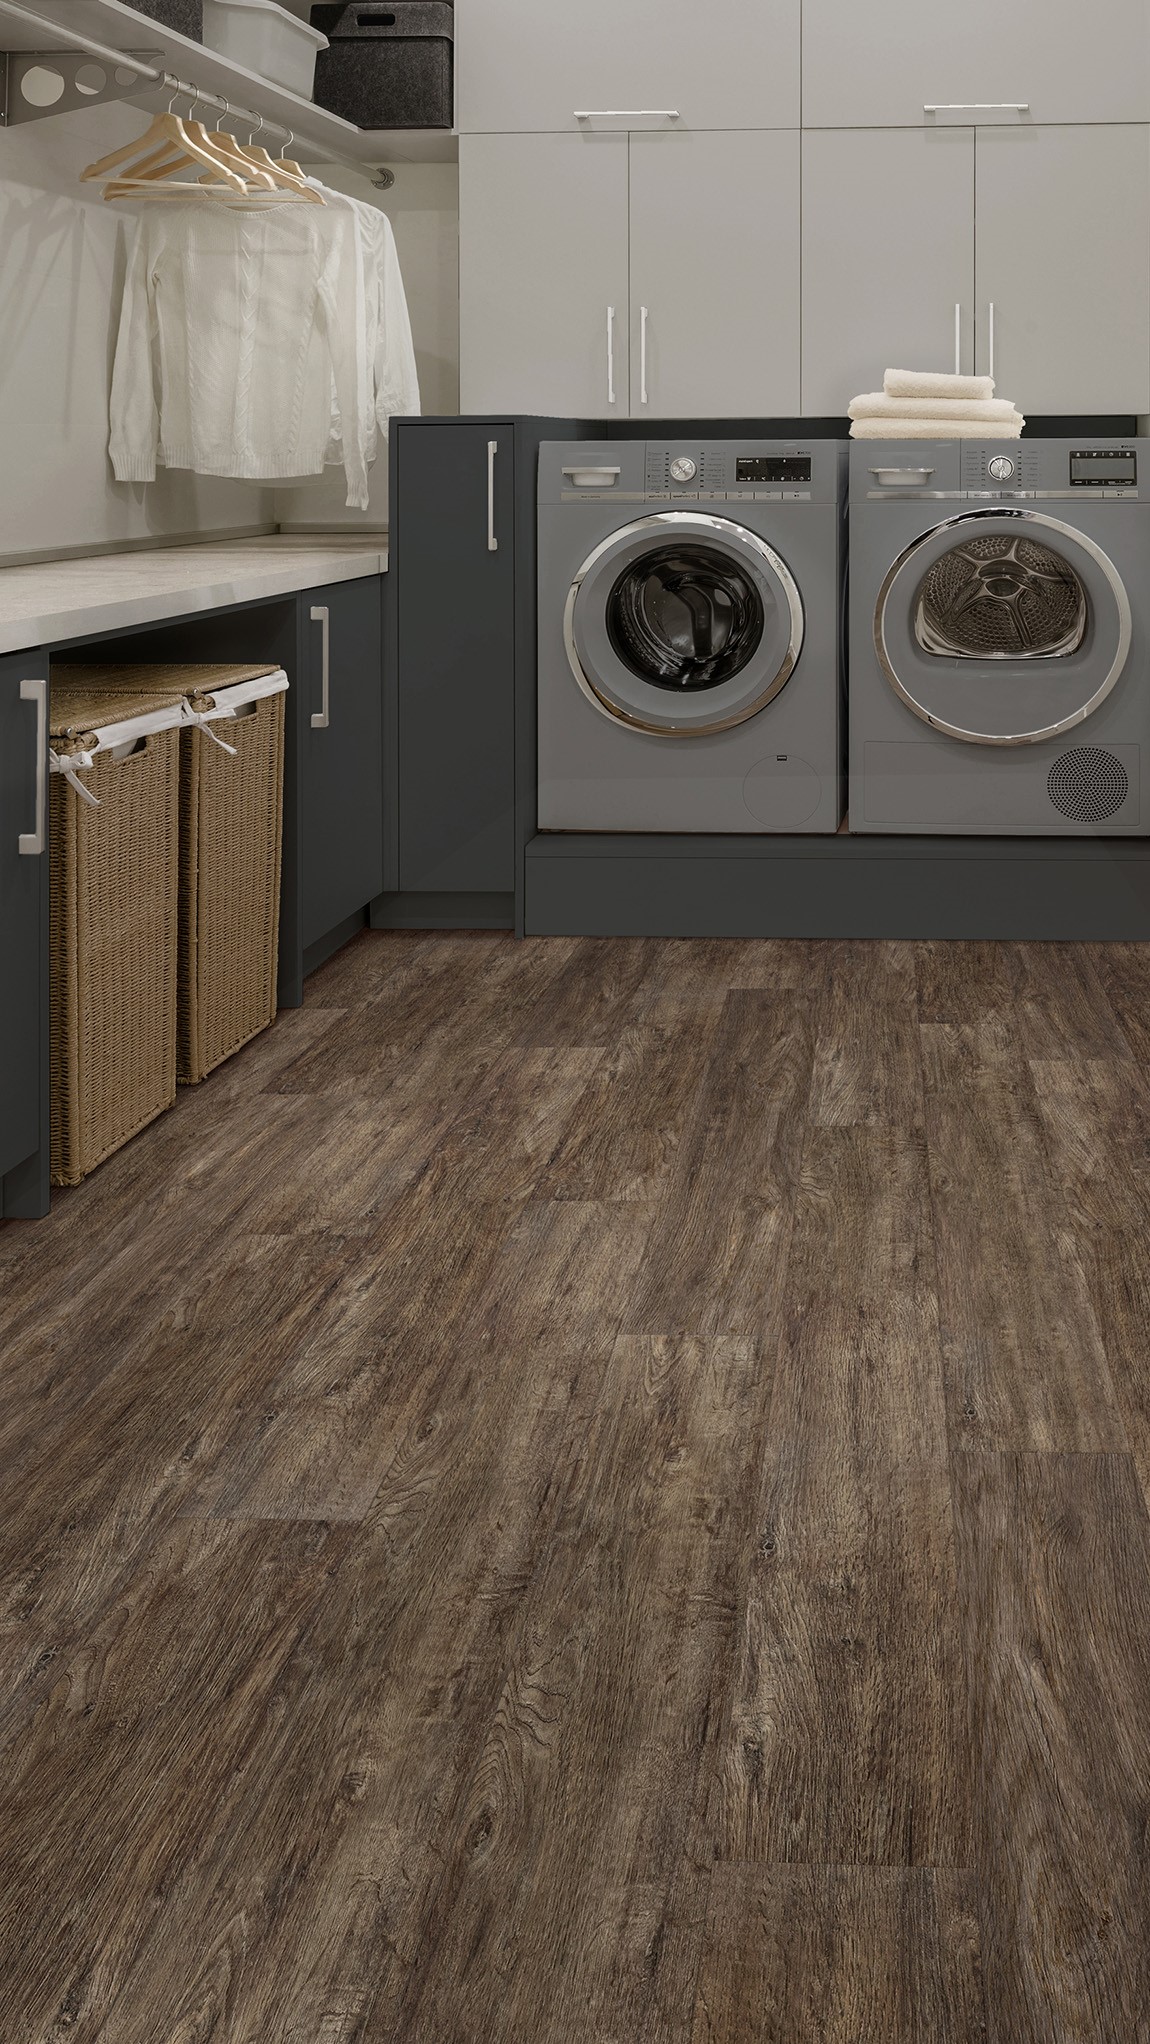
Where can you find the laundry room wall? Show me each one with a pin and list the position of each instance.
(62, 256)
(423, 207)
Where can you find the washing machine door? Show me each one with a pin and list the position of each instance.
(1003, 627)
(682, 624)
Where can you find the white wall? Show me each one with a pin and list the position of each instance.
(423, 207)
(61, 266)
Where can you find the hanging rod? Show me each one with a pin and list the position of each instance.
(14, 110)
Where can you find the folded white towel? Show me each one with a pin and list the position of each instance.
(928, 383)
(936, 429)
(875, 404)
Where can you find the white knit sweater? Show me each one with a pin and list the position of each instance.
(239, 328)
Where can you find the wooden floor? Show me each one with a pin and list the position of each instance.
(596, 1493)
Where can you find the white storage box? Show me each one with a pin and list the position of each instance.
(265, 38)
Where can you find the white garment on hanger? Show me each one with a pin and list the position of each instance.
(393, 379)
(236, 327)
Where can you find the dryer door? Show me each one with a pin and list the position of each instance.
(682, 623)
(1003, 627)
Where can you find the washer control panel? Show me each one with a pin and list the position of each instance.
(693, 471)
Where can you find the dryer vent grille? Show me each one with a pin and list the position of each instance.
(1087, 784)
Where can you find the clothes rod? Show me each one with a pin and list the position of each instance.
(148, 74)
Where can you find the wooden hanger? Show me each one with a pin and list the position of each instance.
(184, 145)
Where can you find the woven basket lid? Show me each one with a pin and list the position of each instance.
(83, 698)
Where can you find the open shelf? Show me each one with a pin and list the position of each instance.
(320, 137)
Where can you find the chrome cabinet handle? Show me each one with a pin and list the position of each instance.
(492, 451)
(979, 106)
(610, 354)
(642, 354)
(321, 718)
(958, 340)
(990, 337)
(31, 842)
(627, 113)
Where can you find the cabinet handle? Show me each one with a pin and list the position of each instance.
(31, 842)
(990, 337)
(958, 340)
(320, 719)
(627, 113)
(492, 451)
(980, 106)
(610, 354)
(642, 354)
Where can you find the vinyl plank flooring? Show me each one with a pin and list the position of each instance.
(589, 1491)
(841, 1955)
(1023, 1355)
(718, 1249)
(1054, 1556)
(846, 1728)
(561, 1868)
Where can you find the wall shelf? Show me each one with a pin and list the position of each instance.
(320, 137)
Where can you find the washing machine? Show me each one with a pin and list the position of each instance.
(690, 635)
(999, 636)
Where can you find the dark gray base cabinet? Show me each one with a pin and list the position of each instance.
(23, 936)
(339, 755)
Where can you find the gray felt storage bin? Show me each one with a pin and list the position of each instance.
(389, 64)
(185, 16)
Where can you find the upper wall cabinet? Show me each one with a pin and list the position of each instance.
(527, 66)
(883, 63)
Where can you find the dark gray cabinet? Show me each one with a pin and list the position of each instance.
(454, 563)
(23, 934)
(339, 755)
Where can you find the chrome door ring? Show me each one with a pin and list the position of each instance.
(1072, 532)
(704, 525)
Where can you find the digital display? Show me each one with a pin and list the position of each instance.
(1116, 468)
(773, 468)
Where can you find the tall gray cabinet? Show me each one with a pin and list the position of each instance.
(755, 213)
(23, 920)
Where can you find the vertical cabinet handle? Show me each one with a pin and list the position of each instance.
(642, 354)
(958, 340)
(990, 337)
(492, 451)
(320, 719)
(32, 842)
(610, 354)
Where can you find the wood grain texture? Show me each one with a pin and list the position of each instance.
(588, 1492)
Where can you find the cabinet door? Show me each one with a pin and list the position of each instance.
(543, 274)
(522, 65)
(884, 62)
(455, 594)
(888, 254)
(23, 905)
(714, 274)
(340, 755)
(1062, 235)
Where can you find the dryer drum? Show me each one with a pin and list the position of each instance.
(685, 617)
(1000, 598)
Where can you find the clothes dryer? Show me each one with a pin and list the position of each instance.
(690, 642)
(1000, 637)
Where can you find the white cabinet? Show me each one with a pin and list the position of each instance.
(881, 62)
(888, 257)
(543, 279)
(715, 269)
(1062, 255)
(616, 276)
(1041, 236)
(530, 65)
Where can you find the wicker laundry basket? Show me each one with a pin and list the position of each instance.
(114, 917)
(231, 823)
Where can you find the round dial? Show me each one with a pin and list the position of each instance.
(683, 469)
(1001, 467)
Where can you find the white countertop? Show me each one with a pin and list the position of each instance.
(97, 593)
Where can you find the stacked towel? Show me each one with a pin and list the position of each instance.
(918, 405)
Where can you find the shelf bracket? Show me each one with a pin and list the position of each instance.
(37, 83)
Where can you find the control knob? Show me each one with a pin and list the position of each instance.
(1001, 467)
(683, 469)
